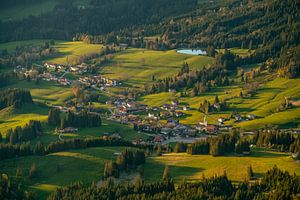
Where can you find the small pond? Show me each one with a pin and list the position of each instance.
(192, 51)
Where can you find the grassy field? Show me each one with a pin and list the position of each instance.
(46, 92)
(184, 166)
(22, 11)
(69, 52)
(61, 168)
(137, 66)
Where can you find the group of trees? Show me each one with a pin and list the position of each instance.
(10, 189)
(225, 143)
(127, 160)
(6, 78)
(117, 14)
(198, 81)
(206, 107)
(275, 184)
(14, 97)
(25, 133)
(26, 55)
(81, 120)
(25, 149)
(277, 139)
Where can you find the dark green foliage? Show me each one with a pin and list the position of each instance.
(224, 143)
(117, 14)
(6, 78)
(111, 169)
(180, 147)
(166, 175)
(54, 117)
(14, 97)
(250, 173)
(276, 139)
(10, 151)
(129, 159)
(10, 189)
(28, 132)
(81, 120)
(242, 146)
(276, 184)
(200, 80)
(33, 172)
(201, 147)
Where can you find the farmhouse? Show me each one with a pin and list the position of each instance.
(211, 129)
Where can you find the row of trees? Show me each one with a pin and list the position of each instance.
(80, 120)
(127, 160)
(6, 78)
(14, 97)
(25, 133)
(275, 184)
(215, 145)
(276, 139)
(199, 81)
(25, 149)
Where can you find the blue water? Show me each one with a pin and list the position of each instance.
(192, 51)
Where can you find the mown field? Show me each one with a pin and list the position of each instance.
(137, 66)
(69, 52)
(187, 167)
(58, 169)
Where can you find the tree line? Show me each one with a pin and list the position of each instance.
(8, 151)
(277, 139)
(215, 146)
(128, 159)
(275, 184)
(25, 133)
(14, 97)
(70, 119)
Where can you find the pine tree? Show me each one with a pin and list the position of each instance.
(250, 173)
(166, 174)
(33, 171)
(18, 172)
(158, 152)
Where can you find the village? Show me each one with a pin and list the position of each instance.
(57, 73)
(161, 124)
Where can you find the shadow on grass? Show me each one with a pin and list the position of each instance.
(153, 171)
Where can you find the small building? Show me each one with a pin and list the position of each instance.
(186, 108)
(211, 129)
(251, 116)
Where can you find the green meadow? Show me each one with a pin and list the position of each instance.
(193, 167)
(62, 168)
(69, 52)
(137, 66)
(87, 165)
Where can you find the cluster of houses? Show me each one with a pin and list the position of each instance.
(238, 118)
(98, 82)
(38, 74)
(78, 69)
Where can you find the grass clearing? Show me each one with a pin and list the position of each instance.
(184, 166)
(137, 66)
(69, 52)
(58, 169)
